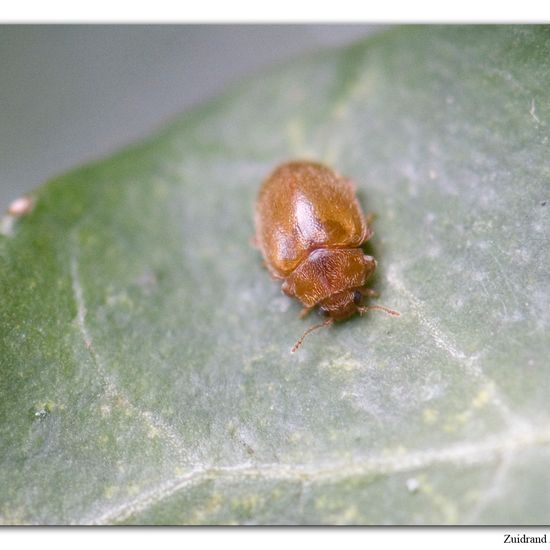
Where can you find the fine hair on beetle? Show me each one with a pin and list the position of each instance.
(310, 229)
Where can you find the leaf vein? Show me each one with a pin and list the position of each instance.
(112, 391)
(461, 454)
(469, 363)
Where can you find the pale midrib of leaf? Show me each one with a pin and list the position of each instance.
(519, 435)
(501, 446)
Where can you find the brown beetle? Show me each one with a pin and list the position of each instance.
(309, 228)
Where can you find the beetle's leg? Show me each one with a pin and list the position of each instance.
(368, 234)
(364, 309)
(305, 312)
(254, 241)
(271, 274)
(369, 231)
(369, 292)
(370, 265)
(286, 290)
(370, 217)
(327, 322)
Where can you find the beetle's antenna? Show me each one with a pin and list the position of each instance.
(364, 309)
(325, 323)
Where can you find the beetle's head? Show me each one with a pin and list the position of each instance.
(347, 303)
(341, 305)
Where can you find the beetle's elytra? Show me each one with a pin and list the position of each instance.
(310, 229)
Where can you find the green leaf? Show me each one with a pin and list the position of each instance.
(146, 366)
